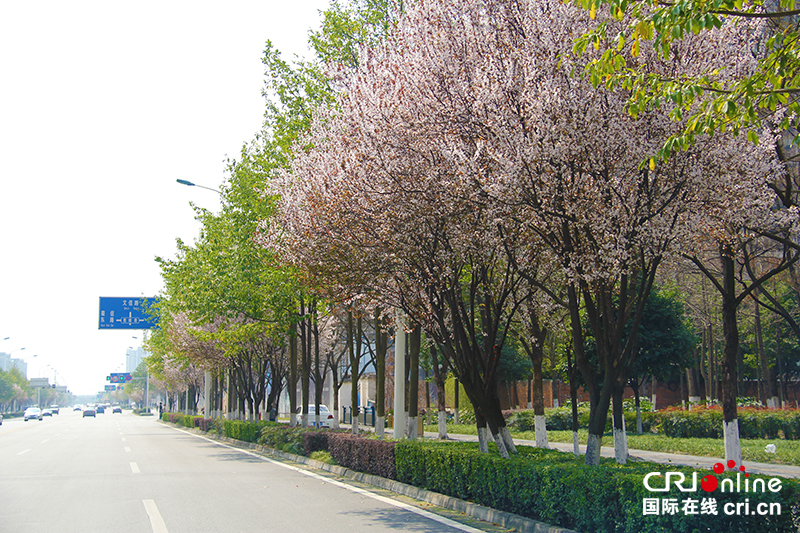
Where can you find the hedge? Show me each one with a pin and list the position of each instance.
(753, 423)
(700, 422)
(560, 490)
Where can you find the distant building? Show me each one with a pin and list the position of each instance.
(20, 365)
(133, 358)
(7, 363)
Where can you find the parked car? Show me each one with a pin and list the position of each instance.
(32, 413)
(89, 410)
(325, 416)
(116, 409)
(47, 412)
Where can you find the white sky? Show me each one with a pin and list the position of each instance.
(103, 105)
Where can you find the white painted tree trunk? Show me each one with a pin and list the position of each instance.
(380, 426)
(576, 448)
(593, 450)
(293, 420)
(411, 428)
(505, 435)
(483, 440)
(733, 447)
(501, 446)
(639, 429)
(620, 446)
(540, 428)
(456, 419)
(442, 425)
(355, 425)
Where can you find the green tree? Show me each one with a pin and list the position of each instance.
(761, 89)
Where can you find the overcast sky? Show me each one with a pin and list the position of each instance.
(103, 105)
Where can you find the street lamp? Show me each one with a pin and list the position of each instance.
(190, 184)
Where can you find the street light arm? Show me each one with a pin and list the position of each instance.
(190, 184)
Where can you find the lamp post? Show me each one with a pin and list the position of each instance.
(206, 374)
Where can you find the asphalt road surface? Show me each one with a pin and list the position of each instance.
(123, 473)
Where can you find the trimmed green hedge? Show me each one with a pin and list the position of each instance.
(700, 422)
(244, 430)
(560, 490)
(753, 423)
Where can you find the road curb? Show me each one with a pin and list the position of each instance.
(473, 510)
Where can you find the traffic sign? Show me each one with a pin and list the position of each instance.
(120, 377)
(110, 388)
(126, 313)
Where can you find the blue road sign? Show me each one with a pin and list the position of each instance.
(126, 313)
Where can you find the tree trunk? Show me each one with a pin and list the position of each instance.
(733, 450)
(292, 387)
(354, 371)
(439, 375)
(620, 437)
(380, 375)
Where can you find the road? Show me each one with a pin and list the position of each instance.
(123, 473)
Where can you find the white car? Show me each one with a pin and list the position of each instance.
(325, 416)
(33, 413)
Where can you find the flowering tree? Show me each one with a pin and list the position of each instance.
(466, 142)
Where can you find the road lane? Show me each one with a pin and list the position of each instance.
(126, 473)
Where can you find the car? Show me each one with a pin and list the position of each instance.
(1, 419)
(89, 410)
(116, 409)
(78, 407)
(325, 416)
(54, 409)
(32, 413)
(101, 408)
(47, 412)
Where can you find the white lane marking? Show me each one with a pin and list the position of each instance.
(24, 451)
(135, 468)
(156, 522)
(363, 492)
(123, 439)
(45, 440)
(127, 449)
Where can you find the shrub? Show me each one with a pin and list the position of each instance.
(706, 422)
(322, 456)
(243, 430)
(371, 456)
(282, 437)
(559, 489)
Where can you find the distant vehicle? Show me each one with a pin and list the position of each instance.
(32, 413)
(89, 411)
(325, 416)
(54, 409)
(1, 419)
(101, 408)
(78, 407)
(116, 409)
(47, 412)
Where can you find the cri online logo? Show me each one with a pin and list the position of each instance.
(710, 483)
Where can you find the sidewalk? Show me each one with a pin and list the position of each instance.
(769, 469)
